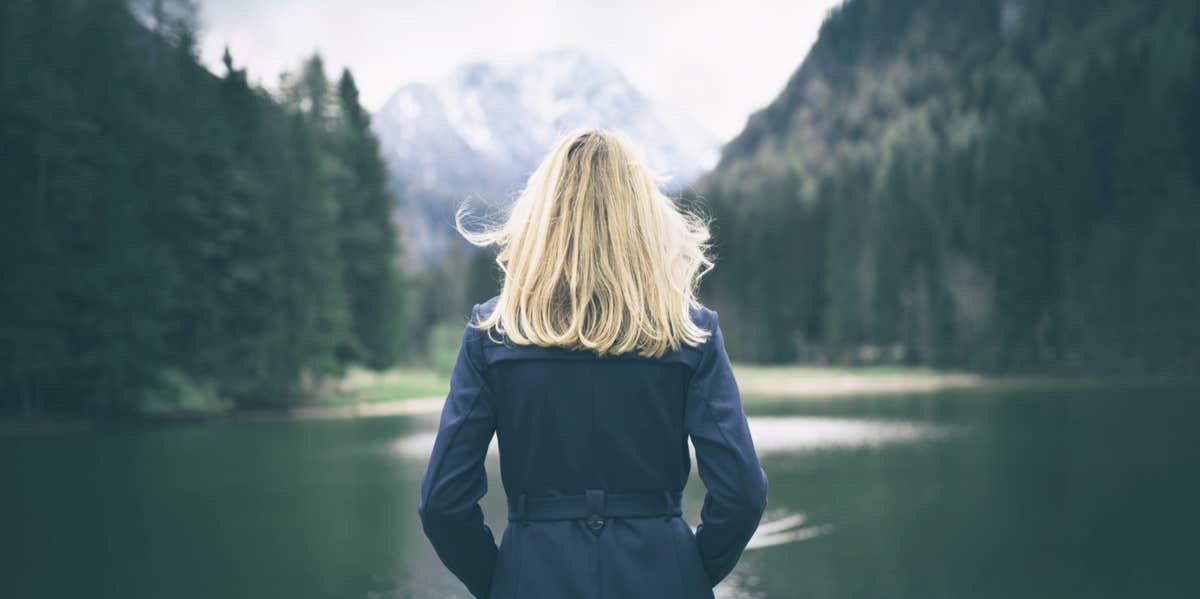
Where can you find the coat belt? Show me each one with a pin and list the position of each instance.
(595, 505)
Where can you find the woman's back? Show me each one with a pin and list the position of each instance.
(593, 457)
(592, 405)
(568, 421)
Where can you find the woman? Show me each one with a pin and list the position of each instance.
(593, 366)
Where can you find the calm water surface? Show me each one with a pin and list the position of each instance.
(965, 494)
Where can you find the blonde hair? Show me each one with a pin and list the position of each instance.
(594, 256)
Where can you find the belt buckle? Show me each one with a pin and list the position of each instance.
(594, 498)
(595, 523)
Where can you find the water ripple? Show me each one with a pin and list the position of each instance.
(772, 434)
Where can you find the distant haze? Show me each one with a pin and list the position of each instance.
(721, 61)
(483, 130)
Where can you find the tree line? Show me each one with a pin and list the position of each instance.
(995, 185)
(178, 239)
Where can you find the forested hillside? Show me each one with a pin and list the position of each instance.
(992, 184)
(171, 238)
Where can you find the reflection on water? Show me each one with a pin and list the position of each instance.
(958, 494)
(417, 446)
(771, 434)
(786, 529)
(804, 433)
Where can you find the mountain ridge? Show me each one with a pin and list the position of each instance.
(480, 130)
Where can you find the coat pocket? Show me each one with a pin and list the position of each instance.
(693, 579)
(506, 576)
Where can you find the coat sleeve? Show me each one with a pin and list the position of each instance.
(735, 481)
(455, 479)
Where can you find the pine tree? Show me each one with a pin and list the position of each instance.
(367, 238)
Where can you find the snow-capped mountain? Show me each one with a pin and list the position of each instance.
(483, 129)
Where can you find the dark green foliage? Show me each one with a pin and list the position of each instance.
(169, 234)
(995, 184)
(368, 241)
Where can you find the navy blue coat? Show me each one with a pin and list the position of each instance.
(604, 435)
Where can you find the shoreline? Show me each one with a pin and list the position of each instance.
(17, 425)
(759, 385)
(757, 381)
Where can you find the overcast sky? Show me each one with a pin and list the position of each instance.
(718, 61)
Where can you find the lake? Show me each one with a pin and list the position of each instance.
(978, 493)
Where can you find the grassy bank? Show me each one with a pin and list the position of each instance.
(364, 386)
(781, 383)
(363, 393)
(758, 384)
(755, 382)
